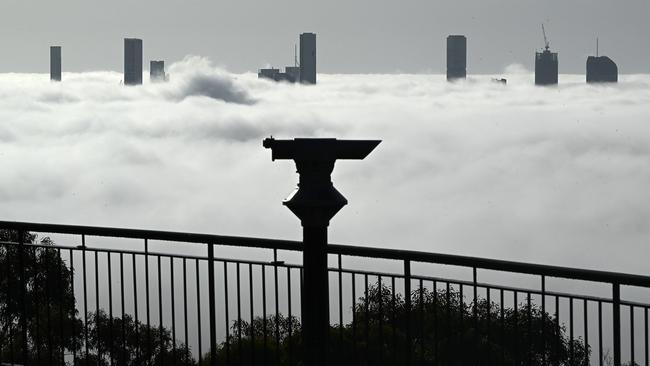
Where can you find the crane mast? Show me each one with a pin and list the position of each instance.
(546, 46)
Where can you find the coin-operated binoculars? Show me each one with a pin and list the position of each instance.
(315, 202)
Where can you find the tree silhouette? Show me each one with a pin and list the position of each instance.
(444, 331)
(443, 328)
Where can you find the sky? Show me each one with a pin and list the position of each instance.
(550, 175)
(362, 36)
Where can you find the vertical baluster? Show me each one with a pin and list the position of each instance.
(544, 361)
(252, 309)
(48, 283)
(239, 335)
(213, 306)
(366, 318)
(340, 268)
(503, 331)
(557, 331)
(647, 354)
(354, 319)
(277, 306)
(616, 306)
(529, 311)
(147, 300)
(632, 335)
(135, 308)
(600, 333)
(59, 278)
(289, 314)
(421, 316)
(123, 311)
(380, 318)
(227, 312)
(199, 324)
(393, 320)
(97, 323)
(110, 309)
(516, 337)
(488, 317)
(173, 308)
(187, 341)
(407, 298)
(435, 322)
(571, 350)
(586, 330)
(475, 313)
(264, 332)
(73, 307)
(160, 309)
(85, 283)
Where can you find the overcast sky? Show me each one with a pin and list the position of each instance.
(360, 36)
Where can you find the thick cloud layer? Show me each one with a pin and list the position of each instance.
(556, 175)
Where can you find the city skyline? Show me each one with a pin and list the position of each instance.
(406, 37)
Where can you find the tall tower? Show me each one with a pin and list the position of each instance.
(55, 63)
(308, 58)
(456, 57)
(546, 64)
(132, 61)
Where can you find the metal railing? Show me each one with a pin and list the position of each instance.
(96, 296)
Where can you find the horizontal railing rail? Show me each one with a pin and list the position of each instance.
(624, 279)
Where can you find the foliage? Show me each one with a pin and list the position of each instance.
(443, 328)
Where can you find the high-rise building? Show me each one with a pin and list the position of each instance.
(157, 71)
(132, 61)
(308, 58)
(546, 67)
(55, 63)
(456, 57)
(601, 69)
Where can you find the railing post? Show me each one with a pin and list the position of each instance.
(407, 300)
(23, 295)
(315, 203)
(211, 300)
(616, 304)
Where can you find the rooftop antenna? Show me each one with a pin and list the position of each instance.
(596, 46)
(546, 46)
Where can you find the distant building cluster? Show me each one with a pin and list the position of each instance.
(132, 64)
(301, 72)
(600, 69)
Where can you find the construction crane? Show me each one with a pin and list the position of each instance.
(546, 46)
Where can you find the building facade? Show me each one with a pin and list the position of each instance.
(132, 61)
(456, 57)
(308, 58)
(546, 68)
(601, 69)
(55, 63)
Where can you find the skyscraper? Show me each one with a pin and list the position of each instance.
(546, 67)
(308, 58)
(601, 69)
(157, 71)
(55, 63)
(456, 57)
(132, 61)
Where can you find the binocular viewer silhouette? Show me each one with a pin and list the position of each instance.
(316, 201)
